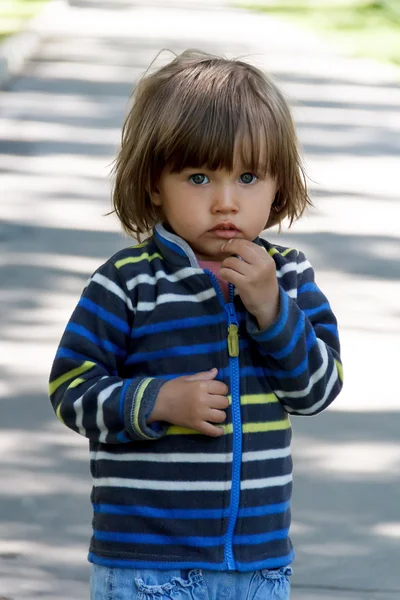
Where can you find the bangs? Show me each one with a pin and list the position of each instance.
(216, 123)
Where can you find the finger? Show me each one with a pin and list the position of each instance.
(211, 430)
(220, 402)
(248, 251)
(235, 264)
(218, 388)
(216, 416)
(231, 276)
(203, 375)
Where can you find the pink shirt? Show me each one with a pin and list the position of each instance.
(214, 267)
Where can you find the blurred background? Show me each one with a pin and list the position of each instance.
(67, 70)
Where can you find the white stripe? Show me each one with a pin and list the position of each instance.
(294, 266)
(101, 398)
(78, 408)
(178, 276)
(315, 377)
(167, 298)
(113, 288)
(266, 454)
(171, 486)
(312, 409)
(256, 484)
(173, 457)
(303, 266)
(292, 293)
(176, 457)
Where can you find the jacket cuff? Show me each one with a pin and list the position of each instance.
(140, 399)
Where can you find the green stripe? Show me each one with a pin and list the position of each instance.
(54, 385)
(136, 259)
(247, 428)
(136, 408)
(339, 368)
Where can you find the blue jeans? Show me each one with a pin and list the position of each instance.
(193, 584)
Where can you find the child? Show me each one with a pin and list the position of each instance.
(186, 353)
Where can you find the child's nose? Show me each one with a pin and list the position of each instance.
(224, 199)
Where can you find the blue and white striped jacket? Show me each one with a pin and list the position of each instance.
(167, 497)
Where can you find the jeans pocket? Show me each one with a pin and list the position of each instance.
(273, 584)
(187, 586)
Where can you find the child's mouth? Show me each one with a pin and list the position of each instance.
(225, 231)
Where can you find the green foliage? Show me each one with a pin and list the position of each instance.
(15, 13)
(363, 28)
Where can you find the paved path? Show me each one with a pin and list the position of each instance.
(60, 124)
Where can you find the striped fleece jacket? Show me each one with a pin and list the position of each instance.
(164, 496)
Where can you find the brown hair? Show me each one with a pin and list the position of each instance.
(194, 112)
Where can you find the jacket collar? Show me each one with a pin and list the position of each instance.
(175, 250)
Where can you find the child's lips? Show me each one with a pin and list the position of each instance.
(226, 230)
(225, 234)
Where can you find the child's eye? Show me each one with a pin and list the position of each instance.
(199, 179)
(248, 178)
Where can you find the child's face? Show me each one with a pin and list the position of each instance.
(197, 200)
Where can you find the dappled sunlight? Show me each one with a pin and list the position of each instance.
(356, 461)
(88, 72)
(41, 552)
(42, 448)
(389, 530)
(42, 483)
(334, 549)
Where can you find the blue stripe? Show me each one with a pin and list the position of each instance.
(171, 245)
(310, 312)
(249, 371)
(165, 540)
(288, 374)
(104, 314)
(308, 287)
(177, 324)
(187, 513)
(311, 340)
(66, 353)
(142, 564)
(260, 538)
(123, 438)
(161, 513)
(122, 398)
(330, 327)
(269, 563)
(276, 329)
(297, 332)
(95, 339)
(268, 509)
(176, 351)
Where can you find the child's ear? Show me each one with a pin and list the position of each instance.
(155, 196)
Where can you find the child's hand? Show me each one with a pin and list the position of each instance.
(254, 278)
(195, 402)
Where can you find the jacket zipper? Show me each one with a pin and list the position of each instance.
(233, 351)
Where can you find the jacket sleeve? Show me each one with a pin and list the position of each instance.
(88, 391)
(301, 348)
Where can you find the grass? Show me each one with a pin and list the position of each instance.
(15, 13)
(358, 27)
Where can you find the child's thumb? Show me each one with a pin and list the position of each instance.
(203, 375)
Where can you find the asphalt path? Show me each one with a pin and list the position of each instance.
(60, 125)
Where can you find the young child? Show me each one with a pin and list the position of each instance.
(187, 352)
